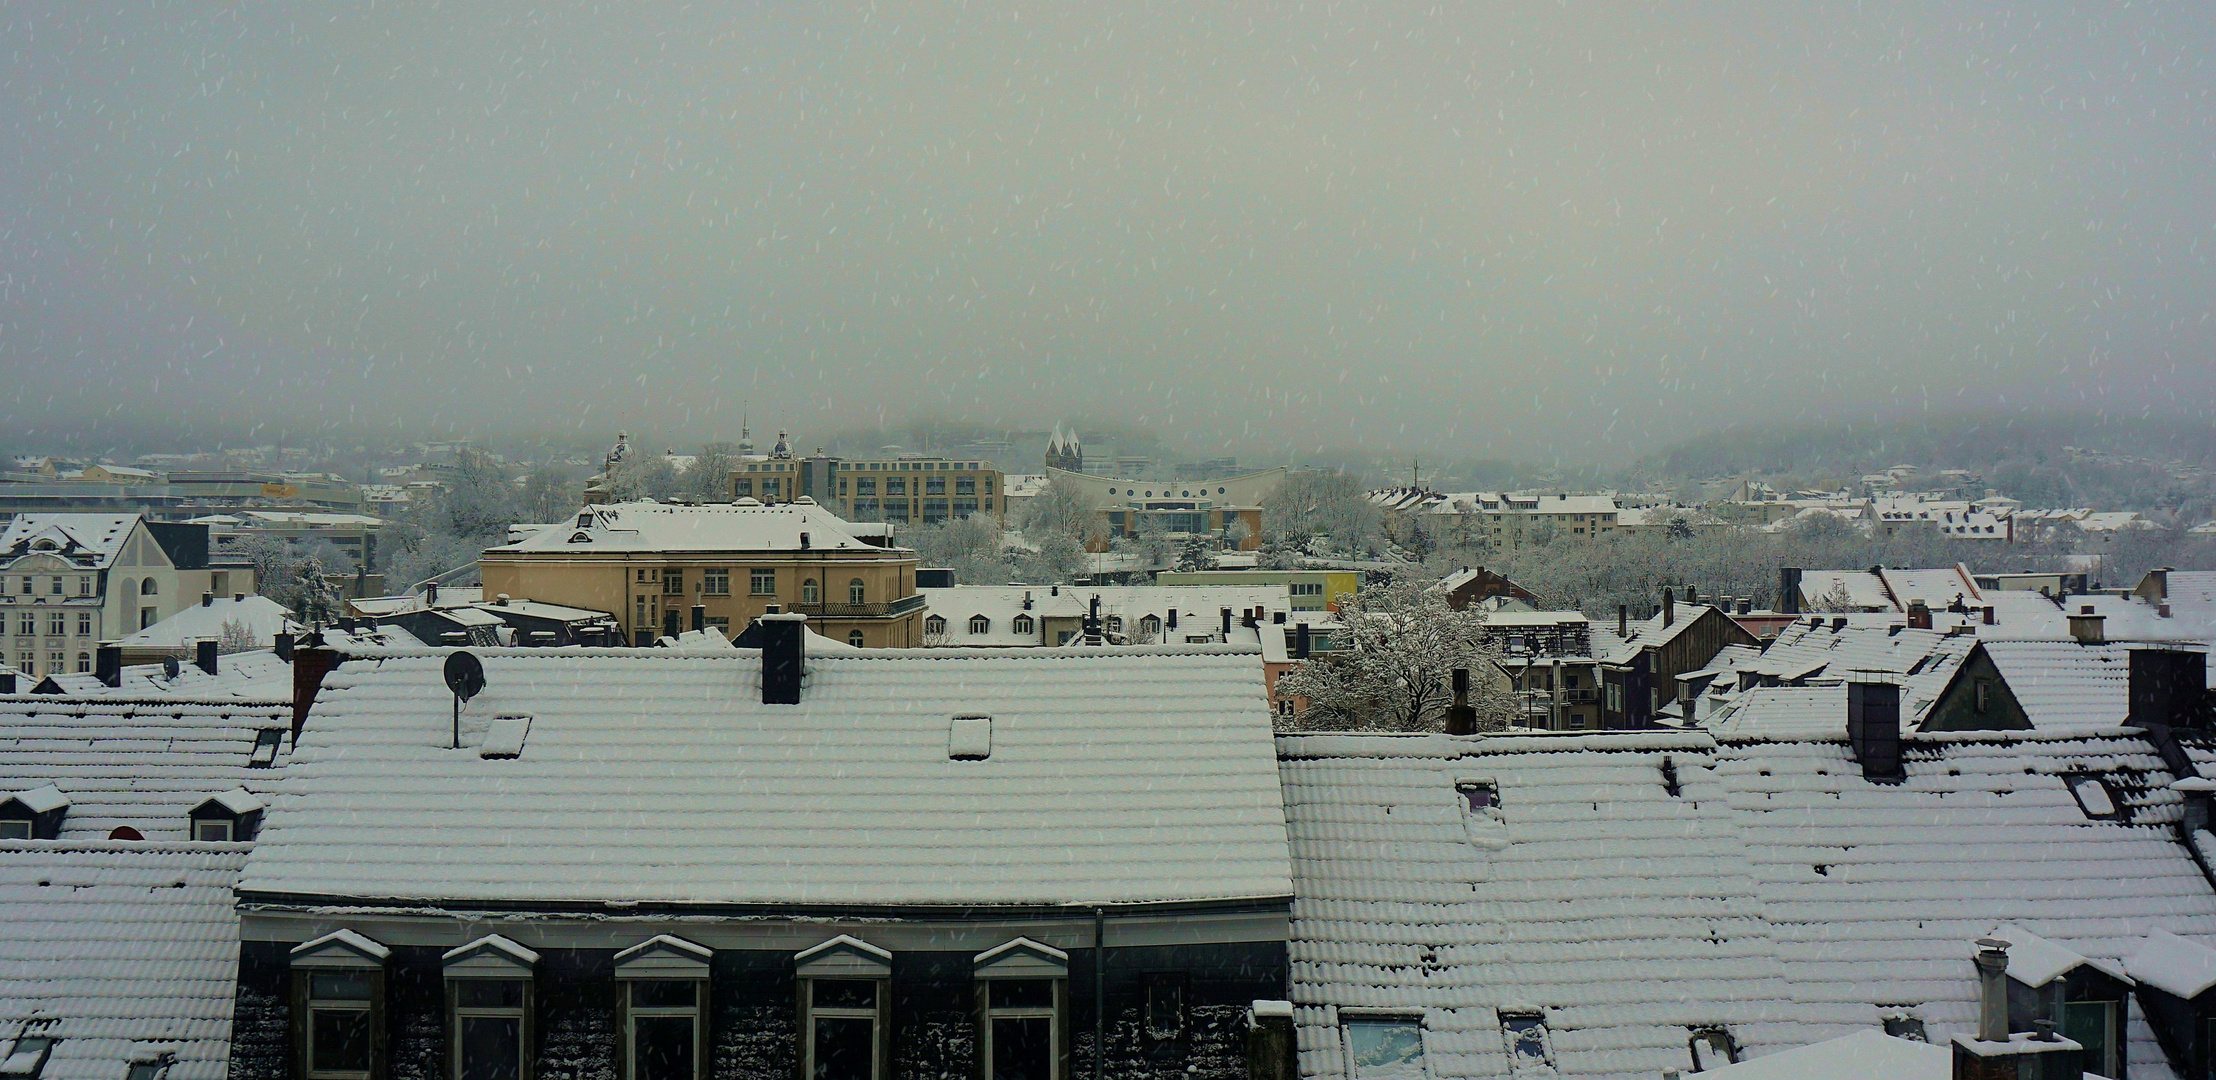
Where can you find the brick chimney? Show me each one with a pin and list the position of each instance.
(1788, 590)
(1995, 1053)
(311, 661)
(2089, 628)
(204, 655)
(1874, 729)
(1919, 615)
(784, 643)
(107, 664)
(1623, 620)
(1669, 608)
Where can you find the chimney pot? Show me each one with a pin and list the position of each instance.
(1992, 972)
(204, 655)
(501, 599)
(1623, 620)
(238, 597)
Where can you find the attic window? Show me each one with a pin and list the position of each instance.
(1524, 1035)
(217, 830)
(1479, 795)
(266, 745)
(970, 738)
(1383, 1046)
(151, 1068)
(15, 828)
(1904, 1026)
(1713, 1048)
(2094, 797)
(504, 737)
(26, 1058)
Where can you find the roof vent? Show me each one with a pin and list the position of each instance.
(504, 737)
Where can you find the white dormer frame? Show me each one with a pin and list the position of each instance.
(843, 957)
(664, 957)
(489, 957)
(341, 949)
(1021, 958)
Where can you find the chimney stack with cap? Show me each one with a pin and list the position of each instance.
(204, 655)
(1992, 998)
(784, 642)
(2088, 627)
(207, 599)
(1993, 1054)
(1788, 590)
(1623, 620)
(1669, 608)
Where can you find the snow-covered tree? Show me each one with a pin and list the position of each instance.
(709, 478)
(234, 636)
(1315, 505)
(1395, 671)
(549, 494)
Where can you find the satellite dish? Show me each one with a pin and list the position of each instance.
(170, 668)
(464, 675)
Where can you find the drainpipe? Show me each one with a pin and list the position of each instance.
(1100, 994)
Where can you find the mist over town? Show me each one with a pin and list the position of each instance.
(1305, 542)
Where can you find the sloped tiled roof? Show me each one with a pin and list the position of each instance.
(2064, 684)
(652, 526)
(246, 677)
(129, 949)
(93, 540)
(262, 617)
(1624, 912)
(1779, 894)
(137, 764)
(659, 776)
(1199, 608)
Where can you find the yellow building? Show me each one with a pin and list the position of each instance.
(653, 564)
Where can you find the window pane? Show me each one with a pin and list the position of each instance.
(1386, 1049)
(1006, 993)
(339, 986)
(488, 993)
(846, 993)
(1023, 1048)
(2088, 1023)
(664, 1047)
(663, 994)
(844, 1047)
(339, 1040)
(492, 1047)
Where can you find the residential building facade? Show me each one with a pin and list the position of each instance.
(655, 566)
(71, 581)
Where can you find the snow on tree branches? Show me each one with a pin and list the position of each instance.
(1395, 670)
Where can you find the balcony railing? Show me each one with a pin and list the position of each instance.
(888, 610)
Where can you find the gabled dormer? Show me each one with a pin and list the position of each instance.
(34, 815)
(230, 816)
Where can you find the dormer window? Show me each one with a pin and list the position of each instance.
(665, 991)
(338, 989)
(233, 815)
(1024, 625)
(489, 1009)
(34, 815)
(843, 986)
(1022, 1005)
(936, 624)
(979, 624)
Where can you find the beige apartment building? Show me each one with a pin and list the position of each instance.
(71, 581)
(652, 565)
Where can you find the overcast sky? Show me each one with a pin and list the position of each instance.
(1503, 228)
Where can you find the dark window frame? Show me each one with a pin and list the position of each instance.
(526, 1029)
(304, 1009)
(880, 1018)
(629, 1012)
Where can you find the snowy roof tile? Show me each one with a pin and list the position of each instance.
(2062, 684)
(244, 677)
(1124, 607)
(2034, 961)
(652, 526)
(659, 776)
(142, 765)
(91, 540)
(128, 947)
(262, 617)
(1778, 894)
(2174, 965)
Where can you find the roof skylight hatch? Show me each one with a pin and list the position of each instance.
(2095, 797)
(969, 738)
(504, 737)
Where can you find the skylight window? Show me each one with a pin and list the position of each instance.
(1525, 1037)
(504, 737)
(266, 745)
(1713, 1048)
(1478, 795)
(26, 1058)
(150, 1069)
(970, 738)
(2094, 797)
(1384, 1047)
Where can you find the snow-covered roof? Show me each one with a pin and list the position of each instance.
(666, 527)
(659, 776)
(91, 541)
(263, 618)
(2064, 684)
(2034, 961)
(2174, 965)
(1648, 633)
(1199, 608)
(1777, 893)
(248, 676)
(1859, 1056)
(141, 765)
(129, 948)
